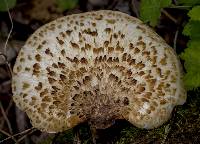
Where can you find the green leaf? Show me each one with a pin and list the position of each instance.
(67, 4)
(150, 10)
(194, 14)
(7, 4)
(188, 2)
(191, 55)
(192, 29)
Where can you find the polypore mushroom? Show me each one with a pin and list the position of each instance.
(97, 67)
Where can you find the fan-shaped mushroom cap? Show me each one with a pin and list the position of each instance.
(97, 66)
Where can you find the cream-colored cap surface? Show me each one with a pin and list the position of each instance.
(97, 66)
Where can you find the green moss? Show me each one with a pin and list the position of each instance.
(128, 134)
(47, 141)
(66, 137)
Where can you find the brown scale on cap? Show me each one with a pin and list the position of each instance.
(97, 67)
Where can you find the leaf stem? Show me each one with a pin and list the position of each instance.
(179, 7)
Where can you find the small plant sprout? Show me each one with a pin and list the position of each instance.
(97, 67)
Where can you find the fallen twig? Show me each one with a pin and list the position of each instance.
(12, 136)
(175, 39)
(6, 118)
(9, 69)
(6, 112)
(134, 8)
(6, 43)
(7, 134)
(5, 1)
(169, 16)
(23, 137)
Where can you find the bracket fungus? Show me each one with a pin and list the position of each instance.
(97, 67)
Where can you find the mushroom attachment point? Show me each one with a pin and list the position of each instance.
(97, 67)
